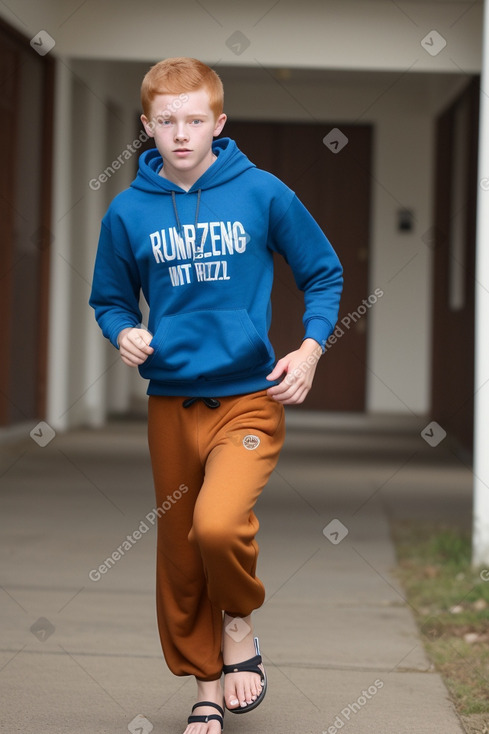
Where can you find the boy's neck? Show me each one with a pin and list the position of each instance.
(185, 182)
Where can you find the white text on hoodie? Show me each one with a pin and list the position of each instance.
(195, 243)
(198, 241)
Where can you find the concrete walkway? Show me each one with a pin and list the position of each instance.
(79, 650)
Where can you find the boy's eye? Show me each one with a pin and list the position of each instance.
(196, 121)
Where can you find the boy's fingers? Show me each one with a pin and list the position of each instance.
(142, 342)
(293, 388)
(278, 370)
(140, 335)
(279, 390)
(134, 347)
(293, 396)
(133, 358)
(138, 342)
(273, 374)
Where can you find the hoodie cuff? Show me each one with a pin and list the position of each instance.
(319, 330)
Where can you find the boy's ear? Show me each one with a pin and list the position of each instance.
(148, 126)
(220, 122)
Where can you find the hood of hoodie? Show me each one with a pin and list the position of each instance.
(230, 162)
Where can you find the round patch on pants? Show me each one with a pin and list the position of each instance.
(251, 442)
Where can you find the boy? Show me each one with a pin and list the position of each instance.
(196, 232)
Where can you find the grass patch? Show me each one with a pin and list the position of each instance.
(450, 600)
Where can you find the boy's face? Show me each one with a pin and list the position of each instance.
(183, 127)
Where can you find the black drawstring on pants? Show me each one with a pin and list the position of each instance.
(210, 402)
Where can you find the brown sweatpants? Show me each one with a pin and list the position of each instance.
(209, 467)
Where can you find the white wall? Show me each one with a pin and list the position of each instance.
(337, 34)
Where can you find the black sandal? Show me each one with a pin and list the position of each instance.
(201, 719)
(249, 666)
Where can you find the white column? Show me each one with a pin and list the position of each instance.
(59, 286)
(95, 354)
(119, 384)
(481, 439)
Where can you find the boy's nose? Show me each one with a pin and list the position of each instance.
(181, 133)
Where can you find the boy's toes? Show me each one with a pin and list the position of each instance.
(232, 701)
(256, 687)
(247, 697)
(244, 692)
(241, 695)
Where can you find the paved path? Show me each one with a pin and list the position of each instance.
(81, 654)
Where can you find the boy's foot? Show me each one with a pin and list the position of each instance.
(240, 689)
(207, 691)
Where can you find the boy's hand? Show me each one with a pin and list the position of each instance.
(134, 346)
(298, 369)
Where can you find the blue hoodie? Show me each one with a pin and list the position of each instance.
(203, 259)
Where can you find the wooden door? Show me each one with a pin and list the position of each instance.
(335, 187)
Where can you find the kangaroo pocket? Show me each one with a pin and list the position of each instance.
(203, 345)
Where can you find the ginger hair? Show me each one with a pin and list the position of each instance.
(178, 75)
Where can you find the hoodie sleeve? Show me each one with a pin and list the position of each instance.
(115, 287)
(315, 265)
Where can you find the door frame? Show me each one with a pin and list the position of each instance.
(452, 377)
